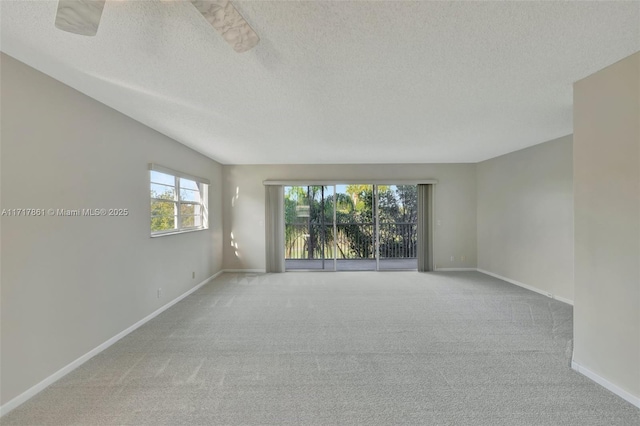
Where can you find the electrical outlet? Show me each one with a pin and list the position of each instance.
(453, 258)
(159, 293)
(193, 275)
(462, 258)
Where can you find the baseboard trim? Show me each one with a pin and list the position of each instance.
(562, 299)
(454, 269)
(528, 287)
(245, 271)
(606, 384)
(32, 391)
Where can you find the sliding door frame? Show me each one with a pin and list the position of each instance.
(376, 216)
(335, 230)
(376, 226)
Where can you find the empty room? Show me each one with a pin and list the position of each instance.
(225, 212)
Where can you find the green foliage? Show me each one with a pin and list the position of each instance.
(163, 215)
(398, 214)
(309, 217)
(309, 220)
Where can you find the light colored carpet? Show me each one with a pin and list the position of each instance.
(339, 348)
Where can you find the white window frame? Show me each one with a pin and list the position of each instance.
(203, 187)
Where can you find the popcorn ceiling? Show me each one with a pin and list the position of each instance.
(337, 82)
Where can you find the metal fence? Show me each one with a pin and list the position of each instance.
(398, 240)
(354, 241)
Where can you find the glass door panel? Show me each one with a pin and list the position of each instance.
(355, 228)
(309, 227)
(398, 218)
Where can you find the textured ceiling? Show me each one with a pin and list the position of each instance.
(337, 82)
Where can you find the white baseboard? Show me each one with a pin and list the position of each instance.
(454, 269)
(528, 287)
(606, 384)
(29, 393)
(245, 271)
(563, 300)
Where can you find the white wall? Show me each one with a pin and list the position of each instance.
(525, 217)
(71, 283)
(607, 225)
(454, 203)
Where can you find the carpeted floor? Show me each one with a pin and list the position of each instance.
(371, 348)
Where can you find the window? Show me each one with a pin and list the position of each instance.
(178, 201)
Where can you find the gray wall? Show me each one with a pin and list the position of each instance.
(525, 217)
(454, 203)
(71, 283)
(607, 224)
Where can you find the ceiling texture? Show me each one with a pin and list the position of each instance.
(336, 81)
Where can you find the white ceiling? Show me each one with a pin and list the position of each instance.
(337, 82)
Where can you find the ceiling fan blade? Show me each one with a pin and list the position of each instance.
(227, 21)
(79, 16)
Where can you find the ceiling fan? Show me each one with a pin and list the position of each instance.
(83, 17)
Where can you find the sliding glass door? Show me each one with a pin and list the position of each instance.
(309, 227)
(397, 227)
(355, 227)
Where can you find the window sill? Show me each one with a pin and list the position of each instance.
(185, 231)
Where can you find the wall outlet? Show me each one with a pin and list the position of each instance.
(453, 259)
(159, 293)
(462, 258)
(193, 275)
